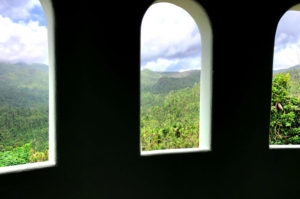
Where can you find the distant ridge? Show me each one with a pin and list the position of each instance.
(23, 84)
(179, 74)
(286, 69)
(163, 82)
(294, 72)
(38, 66)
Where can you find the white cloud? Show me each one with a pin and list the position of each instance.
(159, 64)
(17, 9)
(287, 57)
(168, 32)
(23, 41)
(182, 64)
(287, 41)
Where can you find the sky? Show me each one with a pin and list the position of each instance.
(287, 41)
(171, 41)
(23, 32)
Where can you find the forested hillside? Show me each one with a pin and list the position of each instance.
(169, 109)
(294, 79)
(164, 82)
(23, 113)
(285, 107)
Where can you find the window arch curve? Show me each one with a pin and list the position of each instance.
(202, 22)
(33, 65)
(284, 129)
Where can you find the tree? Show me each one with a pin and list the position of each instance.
(285, 117)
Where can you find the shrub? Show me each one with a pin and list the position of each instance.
(285, 117)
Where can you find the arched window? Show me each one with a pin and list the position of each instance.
(285, 102)
(27, 85)
(175, 103)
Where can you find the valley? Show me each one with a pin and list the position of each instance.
(169, 110)
(24, 113)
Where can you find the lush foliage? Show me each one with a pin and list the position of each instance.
(170, 113)
(294, 73)
(285, 112)
(22, 155)
(23, 113)
(19, 155)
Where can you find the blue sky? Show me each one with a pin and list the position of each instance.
(170, 40)
(37, 14)
(23, 32)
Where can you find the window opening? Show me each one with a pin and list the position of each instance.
(26, 85)
(285, 101)
(171, 65)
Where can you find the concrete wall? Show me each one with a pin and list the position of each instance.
(97, 60)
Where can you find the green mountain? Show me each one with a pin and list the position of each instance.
(169, 109)
(294, 79)
(287, 69)
(23, 84)
(164, 82)
(170, 121)
(23, 106)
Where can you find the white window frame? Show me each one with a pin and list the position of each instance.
(48, 10)
(285, 146)
(204, 26)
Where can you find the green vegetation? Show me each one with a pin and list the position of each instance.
(294, 79)
(164, 82)
(19, 155)
(285, 109)
(22, 155)
(169, 110)
(23, 113)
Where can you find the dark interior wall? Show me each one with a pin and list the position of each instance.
(97, 59)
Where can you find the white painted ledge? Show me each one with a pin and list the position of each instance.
(173, 151)
(26, 167)
(295, 146)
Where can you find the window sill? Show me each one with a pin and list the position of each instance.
(173, 151)
(26, 167)
(295, 146)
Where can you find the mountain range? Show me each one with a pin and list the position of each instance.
(23, 84)
(163, 82)
(294, 72)
(296, 67)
